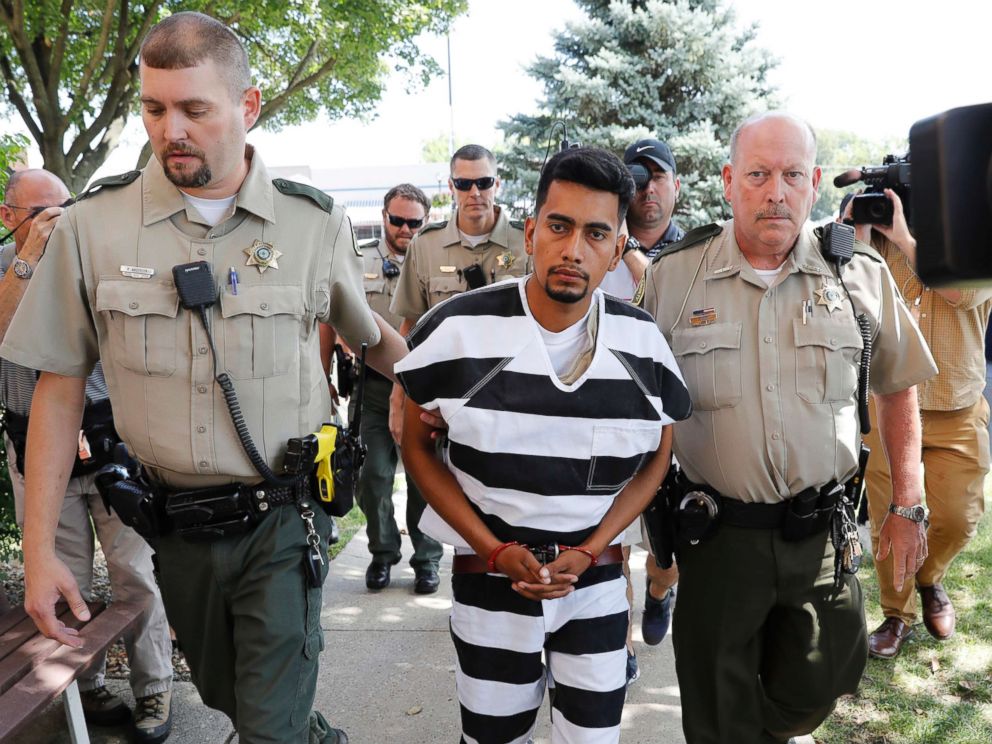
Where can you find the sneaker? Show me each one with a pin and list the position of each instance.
(632, 671)
(153, 717)
(321, 732)
(101, 707)
(657, 618)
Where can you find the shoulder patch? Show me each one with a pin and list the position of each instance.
(433, 226)
(517, 224)
(295, 188)
(692, 237)
(110, 182)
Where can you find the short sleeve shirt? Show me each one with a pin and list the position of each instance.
(104, 290)
(437, 258)
(773, 387)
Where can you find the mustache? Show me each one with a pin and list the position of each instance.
(780, 212)
(183, 150)
(571, 268)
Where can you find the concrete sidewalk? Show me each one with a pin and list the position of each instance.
(387, 672)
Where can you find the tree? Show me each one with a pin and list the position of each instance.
(838, 151)
(71, 72)
(679, 70)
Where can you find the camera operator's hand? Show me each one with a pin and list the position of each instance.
(898, 231)
(861, 232)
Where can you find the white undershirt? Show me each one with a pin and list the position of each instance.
(565, 346)
(768, 275)
(212, 210)
(474, 240)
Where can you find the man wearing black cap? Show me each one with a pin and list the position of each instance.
(650, 223)
(650, 215)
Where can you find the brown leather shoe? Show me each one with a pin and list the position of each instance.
(886, 642)
(938, 612)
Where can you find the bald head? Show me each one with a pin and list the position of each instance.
(26, 191)
(773, 117)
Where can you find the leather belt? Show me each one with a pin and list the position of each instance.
(470, 563)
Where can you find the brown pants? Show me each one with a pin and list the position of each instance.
(955, 461)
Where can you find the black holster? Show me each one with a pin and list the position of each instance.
(133, 500)
(809, 512)
(659, 520)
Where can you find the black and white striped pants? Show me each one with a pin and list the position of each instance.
(500, 636)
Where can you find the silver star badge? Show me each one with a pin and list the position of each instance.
(262, 255)
(830, 297)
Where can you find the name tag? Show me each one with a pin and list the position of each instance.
(371, 276)
(137, 272)
(449, 269)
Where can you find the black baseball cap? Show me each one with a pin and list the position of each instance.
(652, 149)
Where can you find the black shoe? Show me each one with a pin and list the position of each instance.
(427, 581)
(657, 616)
(335, 533)
(377, 575)
(101, 707)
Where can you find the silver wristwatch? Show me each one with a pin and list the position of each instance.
(917, 513)
(22, 269)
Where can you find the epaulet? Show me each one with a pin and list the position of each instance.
(692, 237)
(109, 182)
(867, 250)
(518, 224)
(295, 188)
(371, 243)
(434, 226)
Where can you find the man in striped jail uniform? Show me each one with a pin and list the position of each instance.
(558, 401)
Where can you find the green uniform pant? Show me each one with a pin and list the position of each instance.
(248, 623)
(375, 486)
(765, 642)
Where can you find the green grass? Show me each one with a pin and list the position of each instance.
(348, 525)
(934, 692)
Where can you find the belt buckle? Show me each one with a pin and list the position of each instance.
(544, 553)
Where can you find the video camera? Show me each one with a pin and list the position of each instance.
(873, 207)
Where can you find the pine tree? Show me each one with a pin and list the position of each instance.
(678, 70)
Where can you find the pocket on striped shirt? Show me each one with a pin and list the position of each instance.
(618, 453)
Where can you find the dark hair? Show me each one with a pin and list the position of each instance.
(188, 39)
(591, 167)
(471, 152)
(407, 191)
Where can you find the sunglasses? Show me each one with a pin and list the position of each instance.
(389, 268)
(400, 221)
(466, 184)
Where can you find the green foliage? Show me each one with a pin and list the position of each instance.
(679, 70)
(12, 146)
(10, 535)
(839, 151)
(71, 73)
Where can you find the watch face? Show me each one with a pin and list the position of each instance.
(22, 268)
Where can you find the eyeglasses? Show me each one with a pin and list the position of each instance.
(389, 269)
(466, 184)
(34, 211)
(400, 221)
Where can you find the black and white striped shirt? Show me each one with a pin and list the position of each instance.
(541, 461)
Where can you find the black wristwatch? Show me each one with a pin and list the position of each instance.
(917, 513)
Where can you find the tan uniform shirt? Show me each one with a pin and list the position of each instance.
(436, 258)
(954, 331)
(379, 288)
(775, 398)
(82, 306)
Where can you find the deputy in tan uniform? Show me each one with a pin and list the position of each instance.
(245, 606)
(405, 209)
(765, 335)
(479, 245)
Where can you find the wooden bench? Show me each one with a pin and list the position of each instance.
(34, 670)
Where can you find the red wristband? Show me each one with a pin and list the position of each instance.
(497, 550)
(585, 551)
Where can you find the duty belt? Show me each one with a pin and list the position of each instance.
(208, 513)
